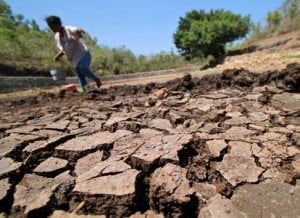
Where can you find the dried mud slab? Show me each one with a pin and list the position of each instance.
(239, 165)
(113, 195)
(273, 198)
(170, 191)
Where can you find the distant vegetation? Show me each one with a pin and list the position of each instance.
(282, 20)
(201, 36)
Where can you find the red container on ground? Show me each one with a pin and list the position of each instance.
(71, 87)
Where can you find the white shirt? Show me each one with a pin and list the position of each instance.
(70, 44)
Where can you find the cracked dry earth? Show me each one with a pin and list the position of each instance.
(224, 145)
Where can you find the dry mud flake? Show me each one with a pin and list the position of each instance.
(110, 195)
(126, 146)
(60, 125)
(160, 124)
(274, 150)
(170, 190)
(216, 146)
(8, 166)
(239, 165)
(287, 101)
(85, 144)
(238, 121)
(35, 194)
(107, 167)
(51, 166)
(88, 162)
(23, 129)
(162, 148)
(38, 146)
(239, 133)
(8, 145)
(112, 121)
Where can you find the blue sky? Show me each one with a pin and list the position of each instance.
(142, 26)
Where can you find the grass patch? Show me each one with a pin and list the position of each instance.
(291, 56)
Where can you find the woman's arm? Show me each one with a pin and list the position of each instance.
(58, 55)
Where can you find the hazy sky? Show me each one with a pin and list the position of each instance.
(142, 26)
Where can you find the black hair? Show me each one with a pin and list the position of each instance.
(53, 20)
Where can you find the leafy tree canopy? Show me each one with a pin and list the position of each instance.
(201, 33)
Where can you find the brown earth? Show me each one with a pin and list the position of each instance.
(223, 144)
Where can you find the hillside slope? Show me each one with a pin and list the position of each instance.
(272, 53)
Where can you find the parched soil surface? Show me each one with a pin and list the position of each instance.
(223, 145)
(223, 142)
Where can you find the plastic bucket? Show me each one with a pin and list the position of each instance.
(58, 74)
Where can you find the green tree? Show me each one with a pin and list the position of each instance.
(290, 8)
(200, 34)
(274, 18)
(293, 9)
(5, 10)
(34, 25)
